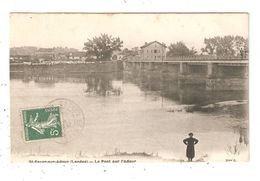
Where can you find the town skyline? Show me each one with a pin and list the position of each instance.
(72, 30)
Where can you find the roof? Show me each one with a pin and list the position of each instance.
(45, 50)
(80, 54)
(148, 44)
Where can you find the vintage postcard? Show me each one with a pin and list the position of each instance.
(128, 88)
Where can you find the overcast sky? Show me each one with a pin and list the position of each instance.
(72, 30)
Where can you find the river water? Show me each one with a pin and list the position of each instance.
(134, 112)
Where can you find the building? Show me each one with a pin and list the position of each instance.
(77, 56)
(117, 55)
(20, 58)
(45, 54)
(154, 51)
(136, 51)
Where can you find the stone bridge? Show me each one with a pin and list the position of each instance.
(216, 74)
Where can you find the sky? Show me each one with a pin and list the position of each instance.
(72, 30)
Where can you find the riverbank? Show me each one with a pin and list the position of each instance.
(240, 155)
(38, 68)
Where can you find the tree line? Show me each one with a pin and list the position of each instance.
(102, 47)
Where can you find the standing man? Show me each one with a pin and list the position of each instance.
(190, 142)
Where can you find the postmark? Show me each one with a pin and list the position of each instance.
(42, 123)
(73, 119)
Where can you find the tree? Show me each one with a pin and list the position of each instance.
(180, 49)
(241, 44)
(210, 45)
(101, 48)
(127, 52)
(193, 51)
(225, 46)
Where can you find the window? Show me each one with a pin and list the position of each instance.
(155, 51)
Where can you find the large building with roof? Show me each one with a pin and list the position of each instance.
(153, 51)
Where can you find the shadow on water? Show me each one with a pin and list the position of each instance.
(167, 86)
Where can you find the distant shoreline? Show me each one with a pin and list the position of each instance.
(64, 67)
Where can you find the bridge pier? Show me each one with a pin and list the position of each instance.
(212, 69)
(151, 65)
(226, 84)
(142, 65)
(184, 68)
(223, 76)
(164, 67)
(135, 65)
(139, 65)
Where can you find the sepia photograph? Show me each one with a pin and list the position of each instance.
(129, 87)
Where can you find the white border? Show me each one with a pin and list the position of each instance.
(162, 171)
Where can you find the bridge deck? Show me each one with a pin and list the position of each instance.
(244, 61)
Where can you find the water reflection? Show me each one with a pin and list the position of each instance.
(164, 85)
(167, 85)
(102, 85)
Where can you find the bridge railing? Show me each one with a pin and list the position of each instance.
(204, 57)
(191, 58)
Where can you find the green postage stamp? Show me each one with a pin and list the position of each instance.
(42, 123)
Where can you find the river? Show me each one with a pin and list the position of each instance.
(135, 112)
